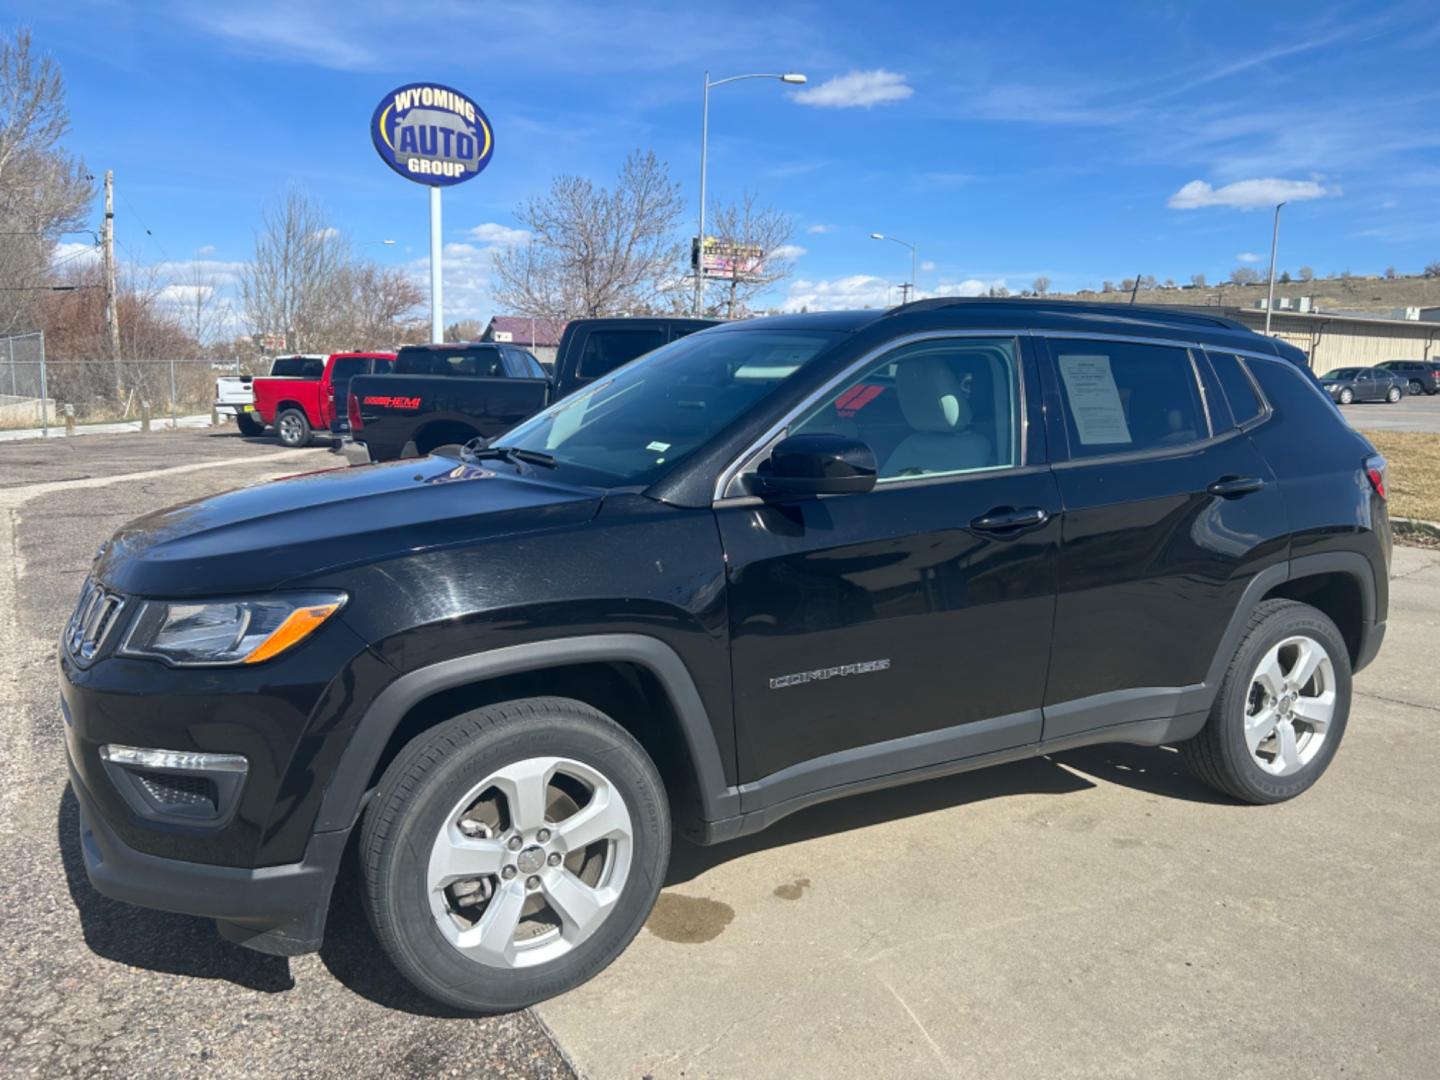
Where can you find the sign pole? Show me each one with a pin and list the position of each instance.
(437, 313)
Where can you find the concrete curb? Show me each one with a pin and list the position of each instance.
(1404, 526)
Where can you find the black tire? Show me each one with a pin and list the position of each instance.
(1219, 755)
(249, 424)
(1414, 388)
(293, 428)
(1347, 396)
(419, 790)
(1393, 395)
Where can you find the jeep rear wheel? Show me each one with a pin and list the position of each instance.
(1281, 709)
(512, 853)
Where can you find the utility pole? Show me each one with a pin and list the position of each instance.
(112, 317)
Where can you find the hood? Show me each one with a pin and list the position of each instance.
(263, 537)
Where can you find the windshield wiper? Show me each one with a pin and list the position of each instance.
(511, 453)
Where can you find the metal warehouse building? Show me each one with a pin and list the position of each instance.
(1332, 340)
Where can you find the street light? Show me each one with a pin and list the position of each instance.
(794, 78)
(903, 243)
(1274, 242)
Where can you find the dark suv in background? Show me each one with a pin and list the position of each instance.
(770, 564)
(1421, 376)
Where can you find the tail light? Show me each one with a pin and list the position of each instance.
(352, 409)
(1377, 471)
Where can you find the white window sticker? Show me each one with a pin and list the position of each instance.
(1094, 400)
(658, 447)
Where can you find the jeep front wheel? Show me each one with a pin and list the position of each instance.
(511, 853)
(1281, 709)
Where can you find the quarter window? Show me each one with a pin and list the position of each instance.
(932, 408)
(1122, 397)
(1245, 403)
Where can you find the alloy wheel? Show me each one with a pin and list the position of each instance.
(289, 429)
(530, 863)
(1289, 706)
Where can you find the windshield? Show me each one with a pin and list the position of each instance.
(1341, 373)
(631, 426)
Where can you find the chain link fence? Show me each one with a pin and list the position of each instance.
(36, 390)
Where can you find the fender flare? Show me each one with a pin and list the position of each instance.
(1350, 563)
(345, 796)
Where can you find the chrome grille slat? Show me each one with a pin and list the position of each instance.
(95, 616)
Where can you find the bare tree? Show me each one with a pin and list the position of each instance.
(44, 191)
(748, 227)
(464, 330)
(1107, 286)
(1307, 273)
(202, 312)
(1198, 280)
(1244, 275)
(1432, 270)
(1391, 273)
(595, 250)
(290, 286)
(1041, 285)
(371, 307)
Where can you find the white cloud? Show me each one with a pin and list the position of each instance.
(1248, 257)
(1245, 194)
(788, 251)
(818, 230)
(858, 89)
(492, 232)
(74, 253)
(184, 295)
(205, 249)
(327, 233)
(927, 265)
(867, 290)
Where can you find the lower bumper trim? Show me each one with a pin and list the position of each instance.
(270, 908)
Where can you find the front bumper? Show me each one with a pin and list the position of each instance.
(274, 909)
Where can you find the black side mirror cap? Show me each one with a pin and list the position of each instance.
(817, 465)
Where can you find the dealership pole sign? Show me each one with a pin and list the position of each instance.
(438, 137)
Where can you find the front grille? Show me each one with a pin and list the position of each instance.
(95, 616)
(172, 790)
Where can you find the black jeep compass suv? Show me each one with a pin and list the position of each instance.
(767, 565)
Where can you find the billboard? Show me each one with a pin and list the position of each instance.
(432, 134)
(725, 260)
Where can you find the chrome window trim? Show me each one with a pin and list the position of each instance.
(756, 446)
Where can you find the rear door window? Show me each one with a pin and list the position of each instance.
(483, 362)
(1244, 399)
(606, 350)
(1126, 397)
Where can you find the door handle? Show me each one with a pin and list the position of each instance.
(1228, 486)
(1004, 520)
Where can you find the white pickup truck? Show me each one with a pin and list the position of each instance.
(235, 397)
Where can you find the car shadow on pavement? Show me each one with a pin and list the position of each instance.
(352, 954)
(157, 940)
(1152, 769)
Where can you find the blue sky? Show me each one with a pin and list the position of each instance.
(1079, 141)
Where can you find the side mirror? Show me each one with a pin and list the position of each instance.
(817, 465)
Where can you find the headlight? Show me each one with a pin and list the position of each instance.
(202, 632)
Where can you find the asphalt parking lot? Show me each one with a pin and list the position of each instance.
(1094, 914)
(1410, 413)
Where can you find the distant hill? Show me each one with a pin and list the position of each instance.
(1376, 295)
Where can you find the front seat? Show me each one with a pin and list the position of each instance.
(938, 412)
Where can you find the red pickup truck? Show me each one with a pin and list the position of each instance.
(296, 407)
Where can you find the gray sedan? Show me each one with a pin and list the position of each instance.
(1345, 385)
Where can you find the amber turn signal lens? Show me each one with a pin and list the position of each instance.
(298, 625)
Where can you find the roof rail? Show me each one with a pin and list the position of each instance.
(1165, 313)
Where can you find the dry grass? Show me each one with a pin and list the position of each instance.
(1414, 484)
